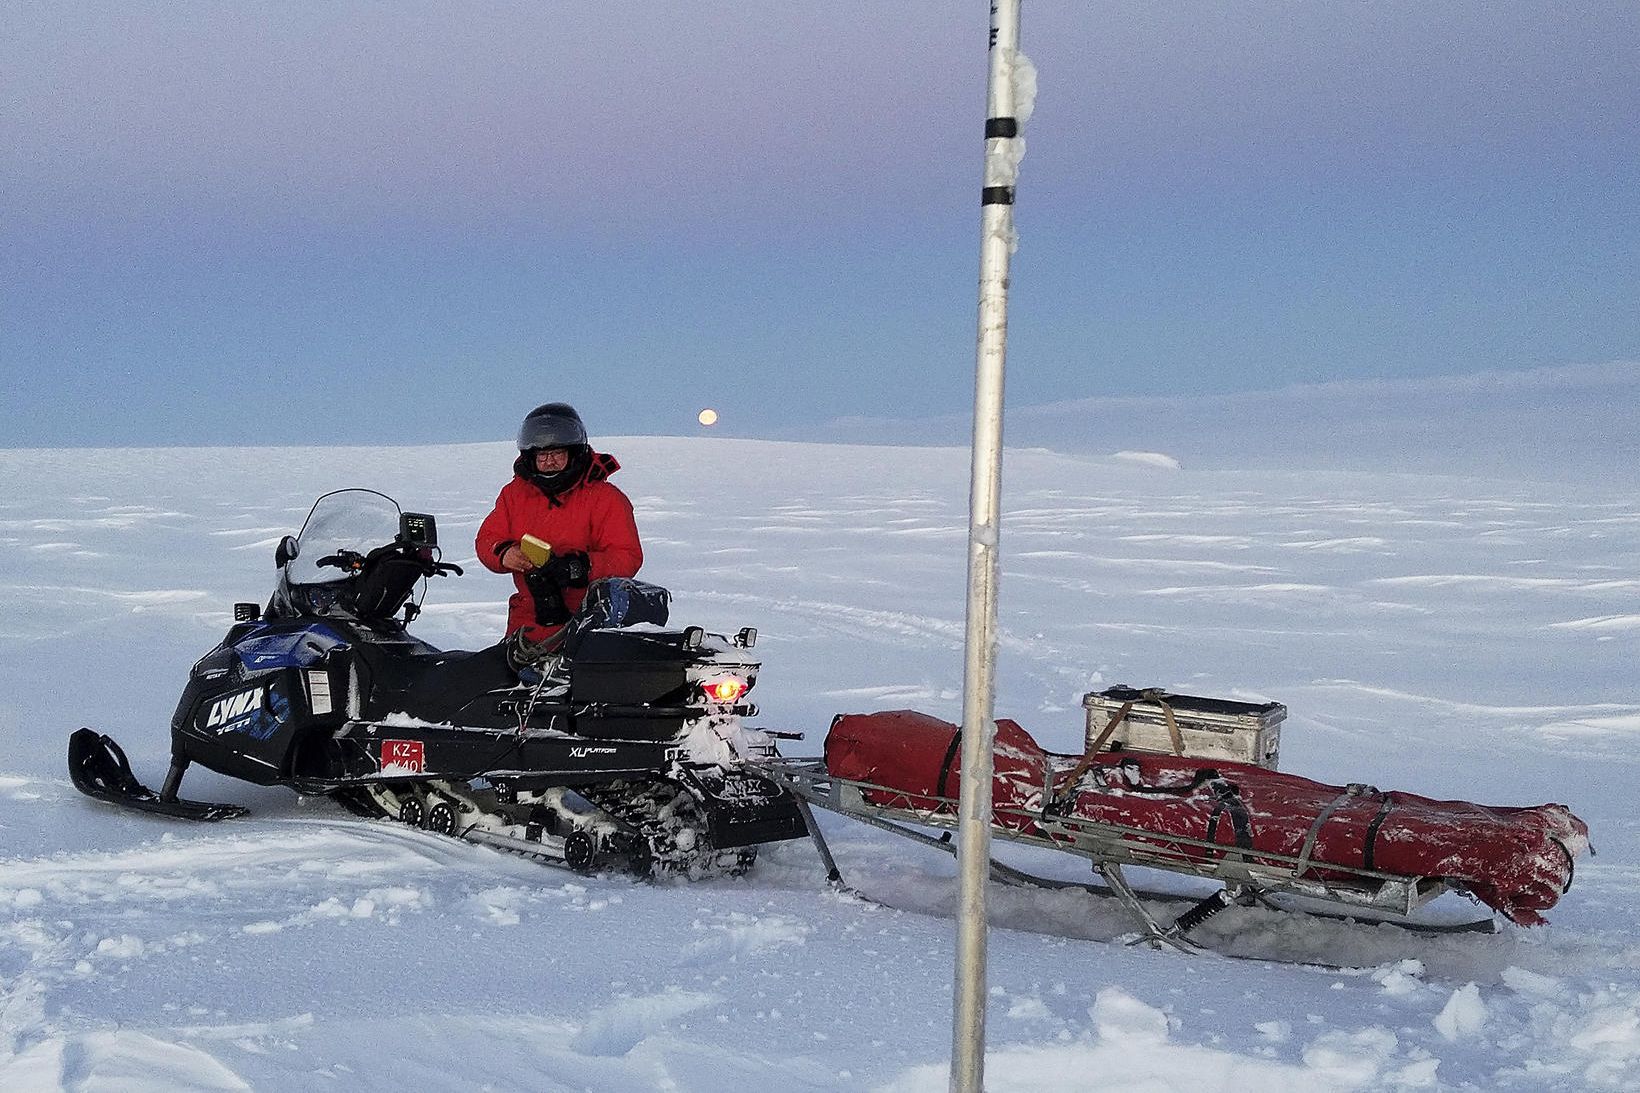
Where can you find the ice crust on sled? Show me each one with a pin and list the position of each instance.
(1516, 860)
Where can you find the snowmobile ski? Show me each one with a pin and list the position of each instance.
(98, 767)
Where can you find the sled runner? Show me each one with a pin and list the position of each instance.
(1257, 832)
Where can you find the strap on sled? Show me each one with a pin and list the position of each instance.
(1227, 801)
(1372, 829)
(1351, 791)
(1094, 745)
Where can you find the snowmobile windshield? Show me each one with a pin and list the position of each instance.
(356, 520)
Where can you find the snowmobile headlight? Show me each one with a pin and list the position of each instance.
(727, 690)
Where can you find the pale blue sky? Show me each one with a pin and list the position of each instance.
(292, 222)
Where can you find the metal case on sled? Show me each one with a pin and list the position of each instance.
(1209, 728)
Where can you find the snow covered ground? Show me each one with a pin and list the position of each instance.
(1454, 636)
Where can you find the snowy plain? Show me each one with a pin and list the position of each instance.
(1455, 636)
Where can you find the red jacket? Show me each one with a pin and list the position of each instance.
(593, 515)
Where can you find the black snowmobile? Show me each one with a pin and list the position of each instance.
(622, 747)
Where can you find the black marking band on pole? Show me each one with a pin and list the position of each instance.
(1002, 128)
(997, 195)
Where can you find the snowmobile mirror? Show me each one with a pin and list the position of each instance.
(418, 529)
(284, 552)
(747, 637)
(246, 612)
(692, 637)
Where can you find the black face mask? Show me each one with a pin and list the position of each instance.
(580, 458)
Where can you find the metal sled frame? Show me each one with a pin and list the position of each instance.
(1246, 876)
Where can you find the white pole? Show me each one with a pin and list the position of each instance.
(984, 509)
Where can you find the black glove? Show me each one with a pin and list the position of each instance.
(569, 570)
(547, 597)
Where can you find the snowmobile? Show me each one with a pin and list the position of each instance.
(621, 748)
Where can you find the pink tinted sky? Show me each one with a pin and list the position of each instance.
(428, 217)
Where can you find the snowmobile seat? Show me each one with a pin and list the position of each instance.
(433, 686)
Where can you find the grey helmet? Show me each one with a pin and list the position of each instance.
(553, 425)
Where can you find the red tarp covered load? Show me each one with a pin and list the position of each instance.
(1516, 860)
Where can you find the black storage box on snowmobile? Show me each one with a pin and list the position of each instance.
(627, 668)
(638, 682)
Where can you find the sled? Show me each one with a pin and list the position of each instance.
(1260, 835)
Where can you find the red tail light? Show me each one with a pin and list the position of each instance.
(726, 691)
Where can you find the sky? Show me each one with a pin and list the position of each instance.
(294, 222)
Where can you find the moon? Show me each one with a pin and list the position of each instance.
(707, 416)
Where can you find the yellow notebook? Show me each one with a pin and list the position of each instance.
(536, 550)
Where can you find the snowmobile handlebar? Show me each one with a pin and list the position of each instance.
(354, 562)
(342, 559)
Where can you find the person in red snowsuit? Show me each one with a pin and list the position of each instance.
(560, 493)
